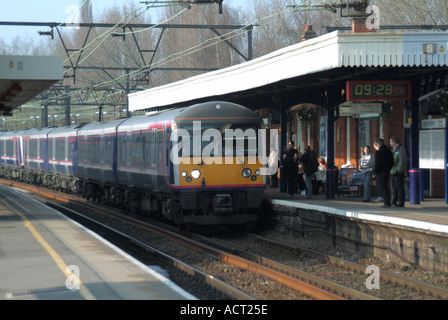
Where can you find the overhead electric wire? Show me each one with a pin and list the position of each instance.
(103, 36)
(225, 37)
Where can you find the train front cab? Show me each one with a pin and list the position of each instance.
(220, 193)
(223, 184)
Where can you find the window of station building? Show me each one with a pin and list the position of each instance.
(362, 133)
(323, 137)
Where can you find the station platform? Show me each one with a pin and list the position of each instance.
(46, 256)
(429, 215)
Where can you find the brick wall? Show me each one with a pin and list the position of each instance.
(359, 26)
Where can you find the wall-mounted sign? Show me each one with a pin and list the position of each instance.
(351, 109)
(439, 123)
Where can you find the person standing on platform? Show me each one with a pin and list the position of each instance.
(384, 161)
(290, 158)
(366, 166)
(321, 176)
(398, 172)
(310, 166)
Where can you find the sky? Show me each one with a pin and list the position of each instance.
(53, 11)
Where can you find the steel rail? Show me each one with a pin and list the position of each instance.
(389, 276)
(289, 281)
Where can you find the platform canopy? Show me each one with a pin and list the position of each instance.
(306, 62)
(22, 78)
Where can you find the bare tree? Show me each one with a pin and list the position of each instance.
(86, 11)
(107, 52)
(198, 48)
(416, 12)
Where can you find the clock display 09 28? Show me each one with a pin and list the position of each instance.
(378, 90)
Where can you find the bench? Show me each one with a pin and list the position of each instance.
(351, 183)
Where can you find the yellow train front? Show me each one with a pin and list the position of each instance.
(217, 163)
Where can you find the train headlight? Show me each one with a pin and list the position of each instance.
(196, 173)
(257, 172)
(253, 178)
(189, 179)
(183, 174)
(246, 173)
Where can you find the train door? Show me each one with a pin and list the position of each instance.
(153, 156)
(169, 169)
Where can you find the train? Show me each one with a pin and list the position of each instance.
(191, 165)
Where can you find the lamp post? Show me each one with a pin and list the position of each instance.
(76, 117)
(53, 116)
(35, 120)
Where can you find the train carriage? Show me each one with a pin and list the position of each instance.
(36, 148)
(62, 145)
(12, 154)
(12, 149)
(97, 151)
(143, 152)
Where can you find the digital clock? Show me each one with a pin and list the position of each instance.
(378, 90)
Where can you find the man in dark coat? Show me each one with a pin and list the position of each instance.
(310, 165)
(398, 172)
(290, 158)
(384, 160)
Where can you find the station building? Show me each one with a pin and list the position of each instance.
(338, 92)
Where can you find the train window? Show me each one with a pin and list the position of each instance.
(108, 144)
(136, 149)
(50, 149)
(82, 149)
(71, 147)
(9, 148)
(32, 148)
(96, 149)
(159, 137)
(145, 149)
(121, 157)
(153, 147)
(60, 148)
(42, 147)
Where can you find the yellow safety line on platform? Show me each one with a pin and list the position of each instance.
(56, 257)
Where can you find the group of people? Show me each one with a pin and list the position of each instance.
(314, 171)
(386, 164)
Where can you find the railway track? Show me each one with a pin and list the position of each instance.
(342, 271)
(230, 261)
(203, 250)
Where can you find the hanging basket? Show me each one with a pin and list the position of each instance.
(306, 115)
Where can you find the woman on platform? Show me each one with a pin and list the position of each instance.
(366, 166)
